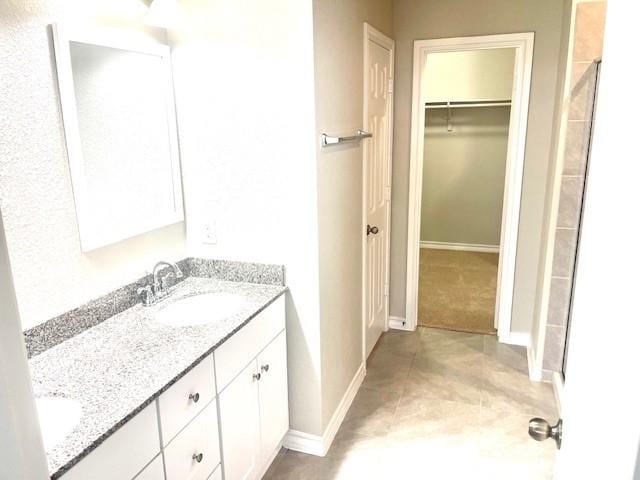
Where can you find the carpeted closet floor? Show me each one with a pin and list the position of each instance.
(457, 290)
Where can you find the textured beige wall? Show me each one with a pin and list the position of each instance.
(463, 175)
(243, 74)
(338, 37)
(562, 104)
(425, 19)
(51, 274)
(471, 75)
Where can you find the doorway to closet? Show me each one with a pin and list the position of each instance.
(466, 131)
(470, 106)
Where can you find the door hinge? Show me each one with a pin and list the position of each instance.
(390, 89)
(388, 194)
(386, 289)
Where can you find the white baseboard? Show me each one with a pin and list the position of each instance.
(558, 390)
(397, 323)
(304, 442)
(535, 374)
(319, 445)
(467, 247)
(521, 339)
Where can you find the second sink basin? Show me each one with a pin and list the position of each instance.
(199, 309)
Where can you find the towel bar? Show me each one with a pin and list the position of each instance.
(328, 140)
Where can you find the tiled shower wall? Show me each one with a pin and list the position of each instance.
(588, 39)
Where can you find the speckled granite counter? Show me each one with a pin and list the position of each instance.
(120, 365)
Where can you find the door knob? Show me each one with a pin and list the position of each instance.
(540, 429)
(371, 230)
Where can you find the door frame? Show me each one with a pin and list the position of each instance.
(371, 33)
(523, 44)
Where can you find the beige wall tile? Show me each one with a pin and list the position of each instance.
(575, 149)
(564, 252)
(570, 202)
(559, 298)
(553, 348)
(589, 30)
(582, 84)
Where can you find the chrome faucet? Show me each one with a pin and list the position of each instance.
(160, 284)
(152, 293)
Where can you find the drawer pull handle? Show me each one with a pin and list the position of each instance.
(256, 376)
(194, 397)
(265, 368)
(198, 458)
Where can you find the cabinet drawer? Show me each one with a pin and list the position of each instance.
(153, 471)
(234, 354)
(125, 453)
(186, 398)
(200, 437)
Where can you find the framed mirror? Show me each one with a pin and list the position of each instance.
(120, 128)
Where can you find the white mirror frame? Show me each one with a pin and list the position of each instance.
(63, 35)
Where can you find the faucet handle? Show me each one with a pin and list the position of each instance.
(178, 272)
(164, 281)
(146, 293)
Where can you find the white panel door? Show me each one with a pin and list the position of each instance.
(274, 398)
(378, 84)
(240, 426)
(602, 396)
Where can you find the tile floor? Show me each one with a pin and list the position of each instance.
(436, 404)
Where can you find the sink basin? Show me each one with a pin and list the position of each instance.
(58, 417)
(200, 309)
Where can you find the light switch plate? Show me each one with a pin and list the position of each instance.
(209, 234)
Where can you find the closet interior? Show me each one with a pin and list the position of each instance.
(466, 131)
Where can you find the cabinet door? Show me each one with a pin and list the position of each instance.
(274, 405)
(240, 425)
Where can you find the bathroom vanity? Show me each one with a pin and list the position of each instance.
(190, 398)
(181, 374)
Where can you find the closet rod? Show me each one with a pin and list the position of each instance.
(468, 103)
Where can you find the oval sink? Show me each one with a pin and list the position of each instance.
(58, 417)
(200, 309)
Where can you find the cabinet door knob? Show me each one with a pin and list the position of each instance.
(265, 368)
(194, 397)
(198, 457)
(256, 376)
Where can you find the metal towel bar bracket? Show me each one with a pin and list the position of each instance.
(328, 140)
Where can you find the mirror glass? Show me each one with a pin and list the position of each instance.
(121, 135)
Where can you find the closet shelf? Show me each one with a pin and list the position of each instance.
(469, 103)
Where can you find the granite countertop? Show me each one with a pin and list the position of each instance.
(121, 365)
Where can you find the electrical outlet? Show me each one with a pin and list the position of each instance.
(209, 234)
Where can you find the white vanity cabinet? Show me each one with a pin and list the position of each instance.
(224, 419)
(174, 438)
(153, 471)
(240, 426)
(254, 412)
(273, 394)
(125, 453)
